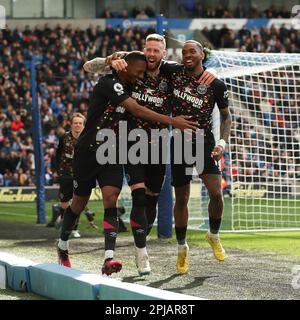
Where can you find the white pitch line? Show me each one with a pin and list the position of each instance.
(28, 205)
(16, 214)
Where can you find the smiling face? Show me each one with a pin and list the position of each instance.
(77, 124)
(155, 51)
(192, 55)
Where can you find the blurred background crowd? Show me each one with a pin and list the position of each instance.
(64, 88)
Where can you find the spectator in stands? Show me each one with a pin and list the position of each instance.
(17, 123)
(142, 15)
(63, 87)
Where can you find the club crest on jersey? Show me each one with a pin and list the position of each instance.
(202, 89)
(163, 86)
(118, 88)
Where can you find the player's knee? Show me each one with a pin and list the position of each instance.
(64, 205)
(216, 196)
(78, 204)
(182, 200)
(110, 200)
(139, 197)
(77, 209)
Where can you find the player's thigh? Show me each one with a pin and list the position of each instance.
(65, 189)
(154, 177)
(110, 180)
(135, 174)
(181, 175)
(85, 165)
(182, 194)
(211, 166)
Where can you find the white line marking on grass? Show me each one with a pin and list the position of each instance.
(16, 214)
(17, 205)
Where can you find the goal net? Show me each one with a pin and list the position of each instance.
(261, 167)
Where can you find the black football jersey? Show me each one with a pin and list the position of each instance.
(104, 110)
(153, 93)
(197, 100)
(65, 153)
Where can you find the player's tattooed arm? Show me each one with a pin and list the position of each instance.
(219, 149)
(101, 65)
(225, 123)
(96, 65)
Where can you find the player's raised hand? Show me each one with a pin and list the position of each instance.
(115, 56)
(207, 77)
(184, 122)
(217, 153)
(119, 65)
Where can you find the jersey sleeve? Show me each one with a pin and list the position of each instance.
(221, 94)
(170, 67)
(114, 91)
(59, 152)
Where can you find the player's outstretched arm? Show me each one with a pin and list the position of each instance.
(180, 122)
(224, 134)
(96, 65)
(100, 65)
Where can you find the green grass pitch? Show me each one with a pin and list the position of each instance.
(282, 242)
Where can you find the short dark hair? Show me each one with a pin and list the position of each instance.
(198, 44)
(134, 56)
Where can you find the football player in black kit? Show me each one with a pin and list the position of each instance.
(190, 98)
(64, 168)
(64, 159)
(154, 92)
(110, 98)
(197, 100)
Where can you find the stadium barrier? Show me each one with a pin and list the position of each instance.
(16, 272)
(60, 283)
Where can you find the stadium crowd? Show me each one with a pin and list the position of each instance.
(135, 12)
(201, 9)
(269, 152)
(266, 39)
(64, 87)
